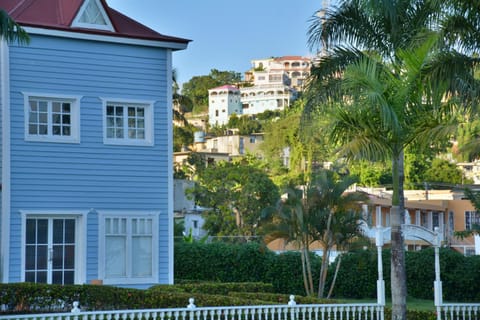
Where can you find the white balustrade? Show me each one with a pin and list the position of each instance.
(458, 311)
(292, 311)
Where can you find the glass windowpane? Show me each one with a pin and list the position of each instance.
(68, 277)
(57, 277)
(69, 231)
(58, 231)
(69, 261)
(56, 107)
(29, 276)
(41, 277)
(57, 261)
(43, 129)
(115, 256)
(30, 258)
(141, 256)
(42, 257)
(42, 231)
(31, 229)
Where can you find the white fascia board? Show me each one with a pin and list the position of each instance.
(5, 183)
(105, 38)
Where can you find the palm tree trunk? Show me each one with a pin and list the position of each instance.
(309, 270)
(398, 275)
(337, 267)
(323, 271)
(304, 272)
(325, 257)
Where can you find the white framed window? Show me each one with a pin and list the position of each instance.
(52, 118)
(92, 15)
(471, 218)
(128, 122)
(128, 248)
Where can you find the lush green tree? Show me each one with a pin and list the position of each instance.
(12, 31)
(245, 124)
(444, 171)
(416, 164)
(197, 87)
(386, 58)
(286, 135)
(191, 167)
(371, 173)
(236, 192)
(182, 137)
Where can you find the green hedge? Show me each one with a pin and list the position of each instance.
(413, 315)
(31, 297)
(222, 288)
(459, 274)
(251, 262)
(357, 277)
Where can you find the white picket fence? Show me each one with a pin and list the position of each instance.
(458, 311)
(292, 311)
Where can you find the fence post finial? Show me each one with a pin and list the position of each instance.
(191, 304)
(75, 308)
(292, 302)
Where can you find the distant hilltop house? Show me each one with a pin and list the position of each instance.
(274, 86)
(222, 102)
(86, 147)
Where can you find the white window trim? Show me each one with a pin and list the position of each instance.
(149, 130)
(76, 22)
(75, 118)
(101, 242)
(80, 238)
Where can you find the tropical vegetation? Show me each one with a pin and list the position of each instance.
(388, 80)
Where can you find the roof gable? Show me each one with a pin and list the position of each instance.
(82, 17)
(92, 15)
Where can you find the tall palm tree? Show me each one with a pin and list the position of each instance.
(12, 31)
(392, 103)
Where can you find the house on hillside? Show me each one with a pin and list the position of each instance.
(223, 101)
(86, 154)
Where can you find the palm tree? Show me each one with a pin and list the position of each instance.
(346, 235)
(290, 220)
(336, 214)
(12, 31)
(392, 103)
(321, 211)
(181, 103)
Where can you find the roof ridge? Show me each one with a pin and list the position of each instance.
(22, 4)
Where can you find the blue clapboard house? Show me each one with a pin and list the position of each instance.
(86, 147)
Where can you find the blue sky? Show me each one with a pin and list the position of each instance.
(226, 35)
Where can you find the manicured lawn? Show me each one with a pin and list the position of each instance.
(412, 303)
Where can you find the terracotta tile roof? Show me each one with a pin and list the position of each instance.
(291, 58)
(59, 15)
(227, 87)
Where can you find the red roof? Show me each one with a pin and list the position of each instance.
(291, 58)
(59, 15)
(226, 87)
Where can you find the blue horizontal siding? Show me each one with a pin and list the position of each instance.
(88, 175)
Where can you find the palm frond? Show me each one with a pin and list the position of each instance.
(12, 31)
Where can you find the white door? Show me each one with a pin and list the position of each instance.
(50, 250)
